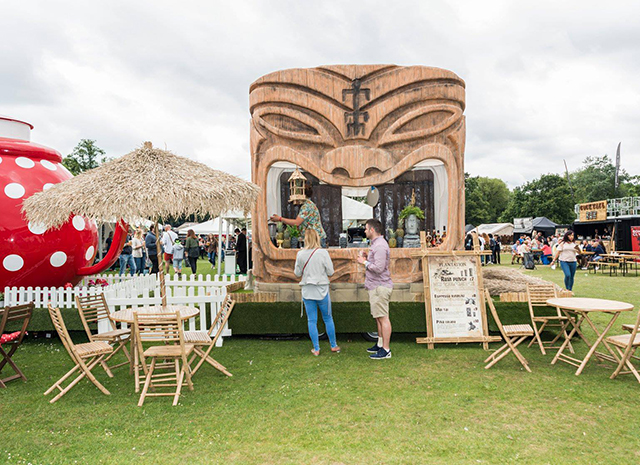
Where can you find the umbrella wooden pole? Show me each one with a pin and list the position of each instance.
(163, 287)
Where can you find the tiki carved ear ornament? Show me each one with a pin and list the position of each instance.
(443, 116)
(292, 124)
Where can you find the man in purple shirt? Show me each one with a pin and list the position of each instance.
(378, 282)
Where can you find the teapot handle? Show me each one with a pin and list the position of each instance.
(119, 238)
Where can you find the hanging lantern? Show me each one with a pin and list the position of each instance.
(297, 185)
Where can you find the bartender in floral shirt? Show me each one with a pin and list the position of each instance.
(308, 217)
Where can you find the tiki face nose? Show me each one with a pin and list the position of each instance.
(356, 160)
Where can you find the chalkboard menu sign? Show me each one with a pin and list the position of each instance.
(454, 298)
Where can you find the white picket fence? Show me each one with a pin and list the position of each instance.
(198, 291)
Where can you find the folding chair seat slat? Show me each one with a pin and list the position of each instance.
(623, 340)
(197, 337)
(93, 348)
(522, 330)
(109, 335)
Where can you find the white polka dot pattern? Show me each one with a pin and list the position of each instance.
(48, 165)
(58, 259)
(36, 228)
(89, 254)
(78, 223)
(13, 262)
(14, 190)
(24, 162)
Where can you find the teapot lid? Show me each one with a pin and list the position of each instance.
(15, 137)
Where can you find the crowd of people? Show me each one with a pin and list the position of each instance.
(140, 254)
(486, 242)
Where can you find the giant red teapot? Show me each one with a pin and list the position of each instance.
(29, 254)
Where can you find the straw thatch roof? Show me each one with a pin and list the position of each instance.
(499, 280)
(146, 183)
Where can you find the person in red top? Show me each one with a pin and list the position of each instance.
(547, 253)
(378, 283)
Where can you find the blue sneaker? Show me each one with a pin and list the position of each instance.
(381, 354)
(374, 349)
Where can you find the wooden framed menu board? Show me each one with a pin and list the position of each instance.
(454, 298)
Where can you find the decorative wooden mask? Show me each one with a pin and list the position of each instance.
(356, 126)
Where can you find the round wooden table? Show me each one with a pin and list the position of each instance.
(578, 309)
(126, 316)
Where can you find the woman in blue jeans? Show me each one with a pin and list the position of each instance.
(566, 253)
(314, 266)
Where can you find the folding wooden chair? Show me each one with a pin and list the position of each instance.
(85, 356)
(626, 345)
(93, 309)
(204, 341)
(164, 328)
(513, 336)
(537, 296)
(13, 340)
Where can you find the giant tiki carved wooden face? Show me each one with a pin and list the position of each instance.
(356, 126)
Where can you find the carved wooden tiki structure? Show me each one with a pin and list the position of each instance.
(355, 126)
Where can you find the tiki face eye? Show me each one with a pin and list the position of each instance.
(422, 122)
(292, 124)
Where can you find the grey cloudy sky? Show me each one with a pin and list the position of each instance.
(546, 81)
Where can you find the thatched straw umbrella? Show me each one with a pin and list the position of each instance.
(146, 183)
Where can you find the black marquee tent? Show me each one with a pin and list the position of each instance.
(540, 224)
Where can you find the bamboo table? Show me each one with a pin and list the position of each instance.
(578, 309)
(126, 316)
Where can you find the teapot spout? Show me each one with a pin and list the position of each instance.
(119, 238)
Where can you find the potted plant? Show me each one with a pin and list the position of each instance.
(294, 236)
(412, 214)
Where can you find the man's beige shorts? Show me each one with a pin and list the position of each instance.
(379, 301)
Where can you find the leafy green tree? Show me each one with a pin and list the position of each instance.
(549, 196)
(485, 199)
(85, 156)
(595, 180)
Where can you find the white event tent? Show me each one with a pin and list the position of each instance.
(497, 229)
(224, 224)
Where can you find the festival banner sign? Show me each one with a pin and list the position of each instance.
(593, 211)
(635, 238)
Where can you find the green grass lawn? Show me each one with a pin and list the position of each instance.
(284, 406)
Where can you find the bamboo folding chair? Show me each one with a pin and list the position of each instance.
(93, 309)
(626, 345)
(513, 336)
(13, 315)
(85, 356)
(537, 296)
(164, 328)
(204, 341)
